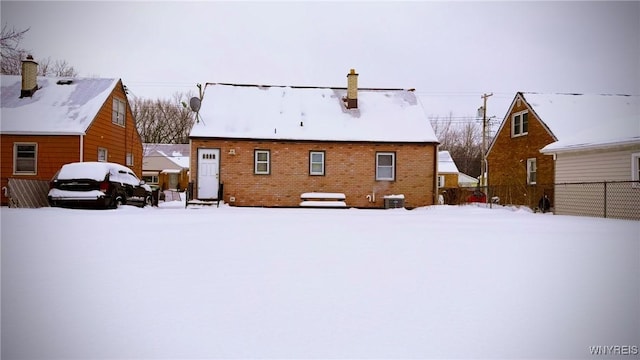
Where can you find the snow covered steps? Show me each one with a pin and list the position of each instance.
(324, 200)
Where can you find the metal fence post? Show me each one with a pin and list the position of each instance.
(605, 199)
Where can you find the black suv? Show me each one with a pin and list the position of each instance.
(97, 185)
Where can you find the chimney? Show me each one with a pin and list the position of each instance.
(352, 90)
(29, 77)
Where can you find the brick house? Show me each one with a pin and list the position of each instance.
(270, 144)
(166, 165)
(48, 122)
(518, 172)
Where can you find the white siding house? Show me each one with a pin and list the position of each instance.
(597, 171)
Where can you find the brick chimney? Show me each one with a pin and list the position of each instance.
(29, 77)
(352, 90)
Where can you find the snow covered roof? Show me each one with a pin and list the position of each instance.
(176, 153)
(67, 108)
(446, 163)
(311, 113)
(586, 121)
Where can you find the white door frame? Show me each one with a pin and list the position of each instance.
(208, 180)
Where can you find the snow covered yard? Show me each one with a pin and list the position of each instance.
(435, 282)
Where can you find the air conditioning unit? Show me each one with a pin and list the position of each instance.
(393, 201)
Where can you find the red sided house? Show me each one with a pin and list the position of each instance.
(48, 122)
(269, 145)
(521, 163)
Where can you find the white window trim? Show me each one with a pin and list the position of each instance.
(153, 179)
(256, 162)
(311, 172)
(635, 169)
(129, 159)
(106, 154)
(393, 166)
(440, 181)
(533, 161)
(15, 159)
(513, 123)
(116, 114)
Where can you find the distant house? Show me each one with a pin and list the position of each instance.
(451, 180)
(166, 165)
(47, 122)
(538, 143)
(447, 171)
(269, 145)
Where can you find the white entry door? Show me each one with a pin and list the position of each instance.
(208, 173)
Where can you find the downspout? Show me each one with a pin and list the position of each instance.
(435, 174)
(81, 148)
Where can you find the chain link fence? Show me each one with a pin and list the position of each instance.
(608, 199)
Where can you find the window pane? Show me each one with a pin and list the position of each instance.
(385, 160)
(316, 168)
(26, 149)
(385, 172)
(525, 123)
(262, 156)
(261, 167)
(316, 157)
(23, 165)
(516, 125)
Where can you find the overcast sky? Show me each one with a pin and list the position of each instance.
(450, 52)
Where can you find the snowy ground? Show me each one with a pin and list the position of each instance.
(435, 282)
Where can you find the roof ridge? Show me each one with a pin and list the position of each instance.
(307, 87)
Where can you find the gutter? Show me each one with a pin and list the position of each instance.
(589, 146)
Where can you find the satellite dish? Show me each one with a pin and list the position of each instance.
(194, 103)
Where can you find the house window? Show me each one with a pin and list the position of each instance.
(129, 159)
(119, 110)
(635, 169)
(385, 166)
(25, 158)
(520, 123)
(261, 163)
(150, 179)
(532, 170)
(316, 163)
(102, 154)
(440, 181)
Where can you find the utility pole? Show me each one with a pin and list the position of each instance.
(483, 161)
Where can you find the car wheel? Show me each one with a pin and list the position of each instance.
(147, 201)
(117, 202)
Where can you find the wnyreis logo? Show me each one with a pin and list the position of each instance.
(615, 350)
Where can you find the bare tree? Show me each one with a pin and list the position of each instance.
(163, 121)
(463, 141)
(61, 68)
(10, 50)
